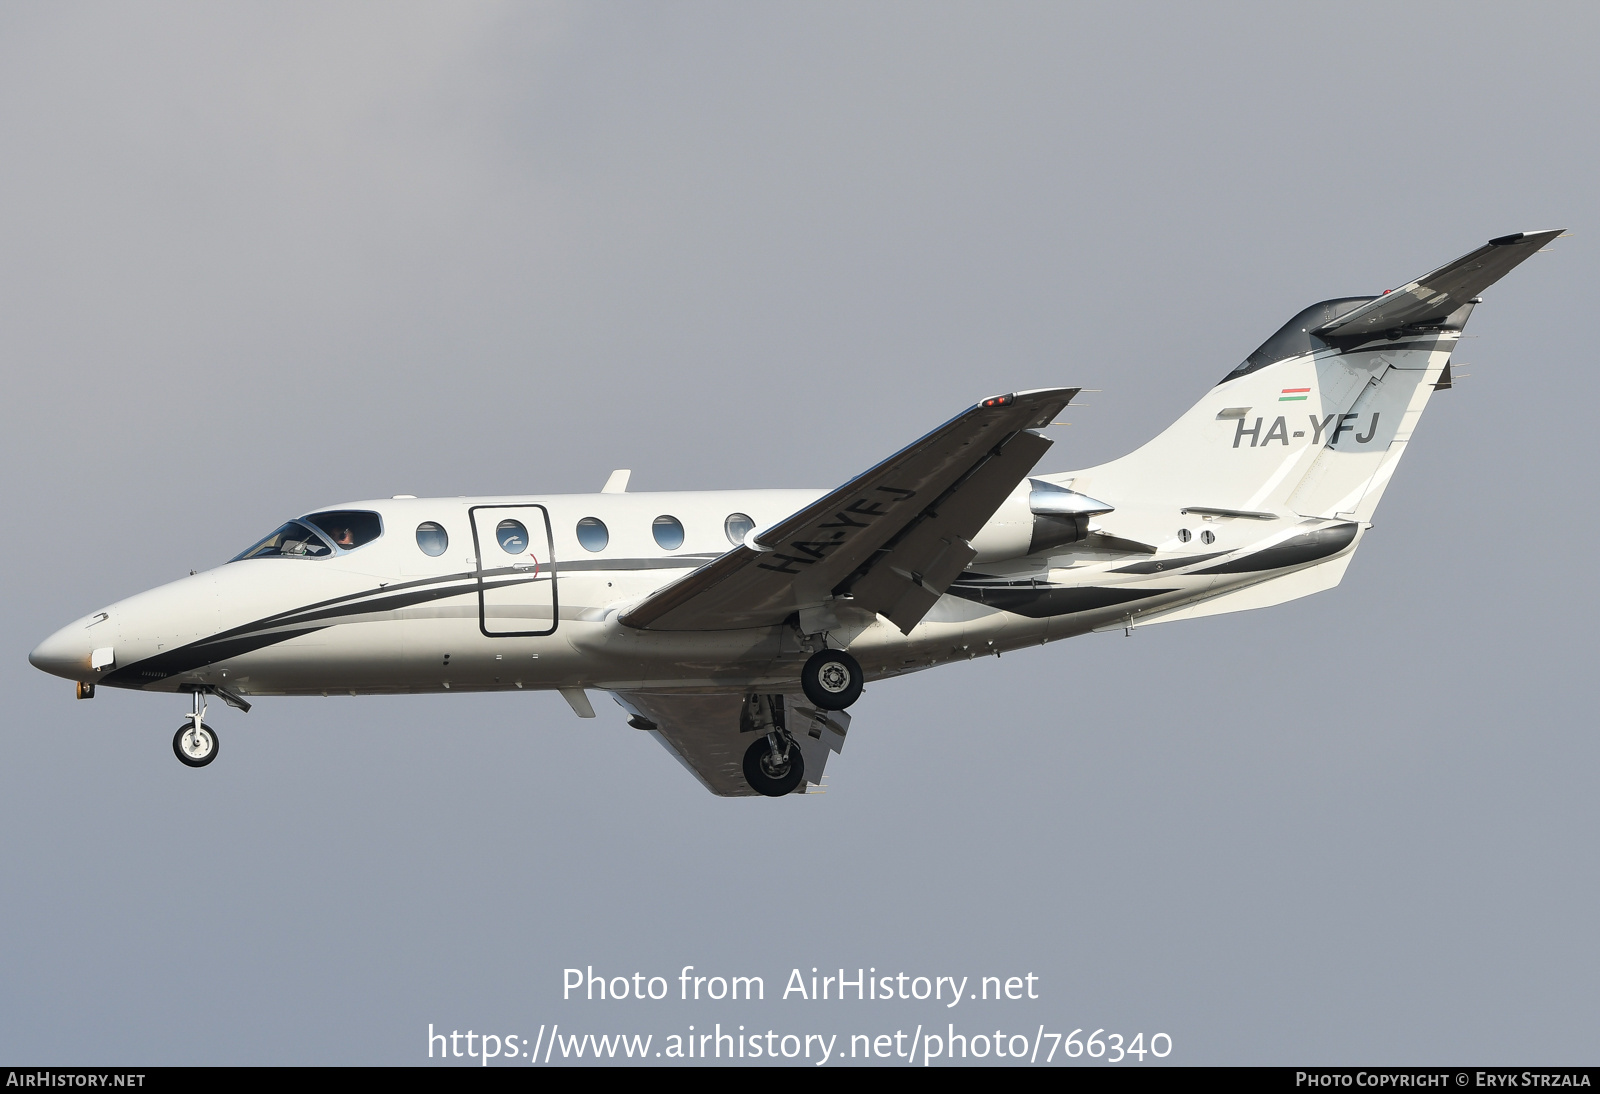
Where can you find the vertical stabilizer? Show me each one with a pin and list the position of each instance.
(1314, 422)
(1308, 429)
(1307, 435)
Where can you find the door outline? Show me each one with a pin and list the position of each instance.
(477, 549)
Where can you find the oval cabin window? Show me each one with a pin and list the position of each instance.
(737, 526)
(513, 536)
(592, 534)
(432, 539)
(668, 532)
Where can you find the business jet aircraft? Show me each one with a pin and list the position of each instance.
(736, 627)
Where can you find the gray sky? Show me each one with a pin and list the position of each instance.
(255, 259)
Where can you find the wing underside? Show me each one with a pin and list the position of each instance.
(709, 732)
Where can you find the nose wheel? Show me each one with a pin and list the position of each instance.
(195, 743)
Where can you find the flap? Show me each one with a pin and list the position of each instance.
(903, 582)
(951, 480)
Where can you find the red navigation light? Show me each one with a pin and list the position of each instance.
(999, 400)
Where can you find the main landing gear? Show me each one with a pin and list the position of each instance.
(831, 679)
(196, 743)
(773, 765)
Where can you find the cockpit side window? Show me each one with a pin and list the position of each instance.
(348, 528)
(293, 540)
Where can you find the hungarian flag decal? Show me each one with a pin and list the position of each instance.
(1294, 395)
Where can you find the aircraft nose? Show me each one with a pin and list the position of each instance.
(65, 653)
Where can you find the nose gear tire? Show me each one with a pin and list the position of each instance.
(831, 679)
(195, 749)
(773, 780)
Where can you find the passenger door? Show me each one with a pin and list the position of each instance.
(516, 575)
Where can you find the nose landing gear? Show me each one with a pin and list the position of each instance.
(195, 743)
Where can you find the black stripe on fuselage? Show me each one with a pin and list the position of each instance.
(407, 593)
(1295, 551)
(388, 590)
(282, 626)
(1156, 567)
(1043, 601)
(382, 599)
(153, 670)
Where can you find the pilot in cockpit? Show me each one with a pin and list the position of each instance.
(343, 536)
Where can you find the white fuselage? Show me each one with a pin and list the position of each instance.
(388, 618)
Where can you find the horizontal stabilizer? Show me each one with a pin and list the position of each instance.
(1430, 299)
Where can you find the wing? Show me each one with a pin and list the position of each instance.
(708, 733)
(891, 539)
(1430, 299)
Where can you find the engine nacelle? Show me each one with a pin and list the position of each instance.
(1037, 516)
(1053, 530)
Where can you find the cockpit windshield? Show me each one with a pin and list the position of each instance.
(348, 528)
(318, 536)
(293, 540)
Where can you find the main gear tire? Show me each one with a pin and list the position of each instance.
(832, 679)
(774, 779)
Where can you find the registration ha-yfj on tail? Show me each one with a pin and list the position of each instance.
(737, 627)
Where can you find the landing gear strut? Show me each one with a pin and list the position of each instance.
(196, 743)
(773, 765)
(831, 679)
